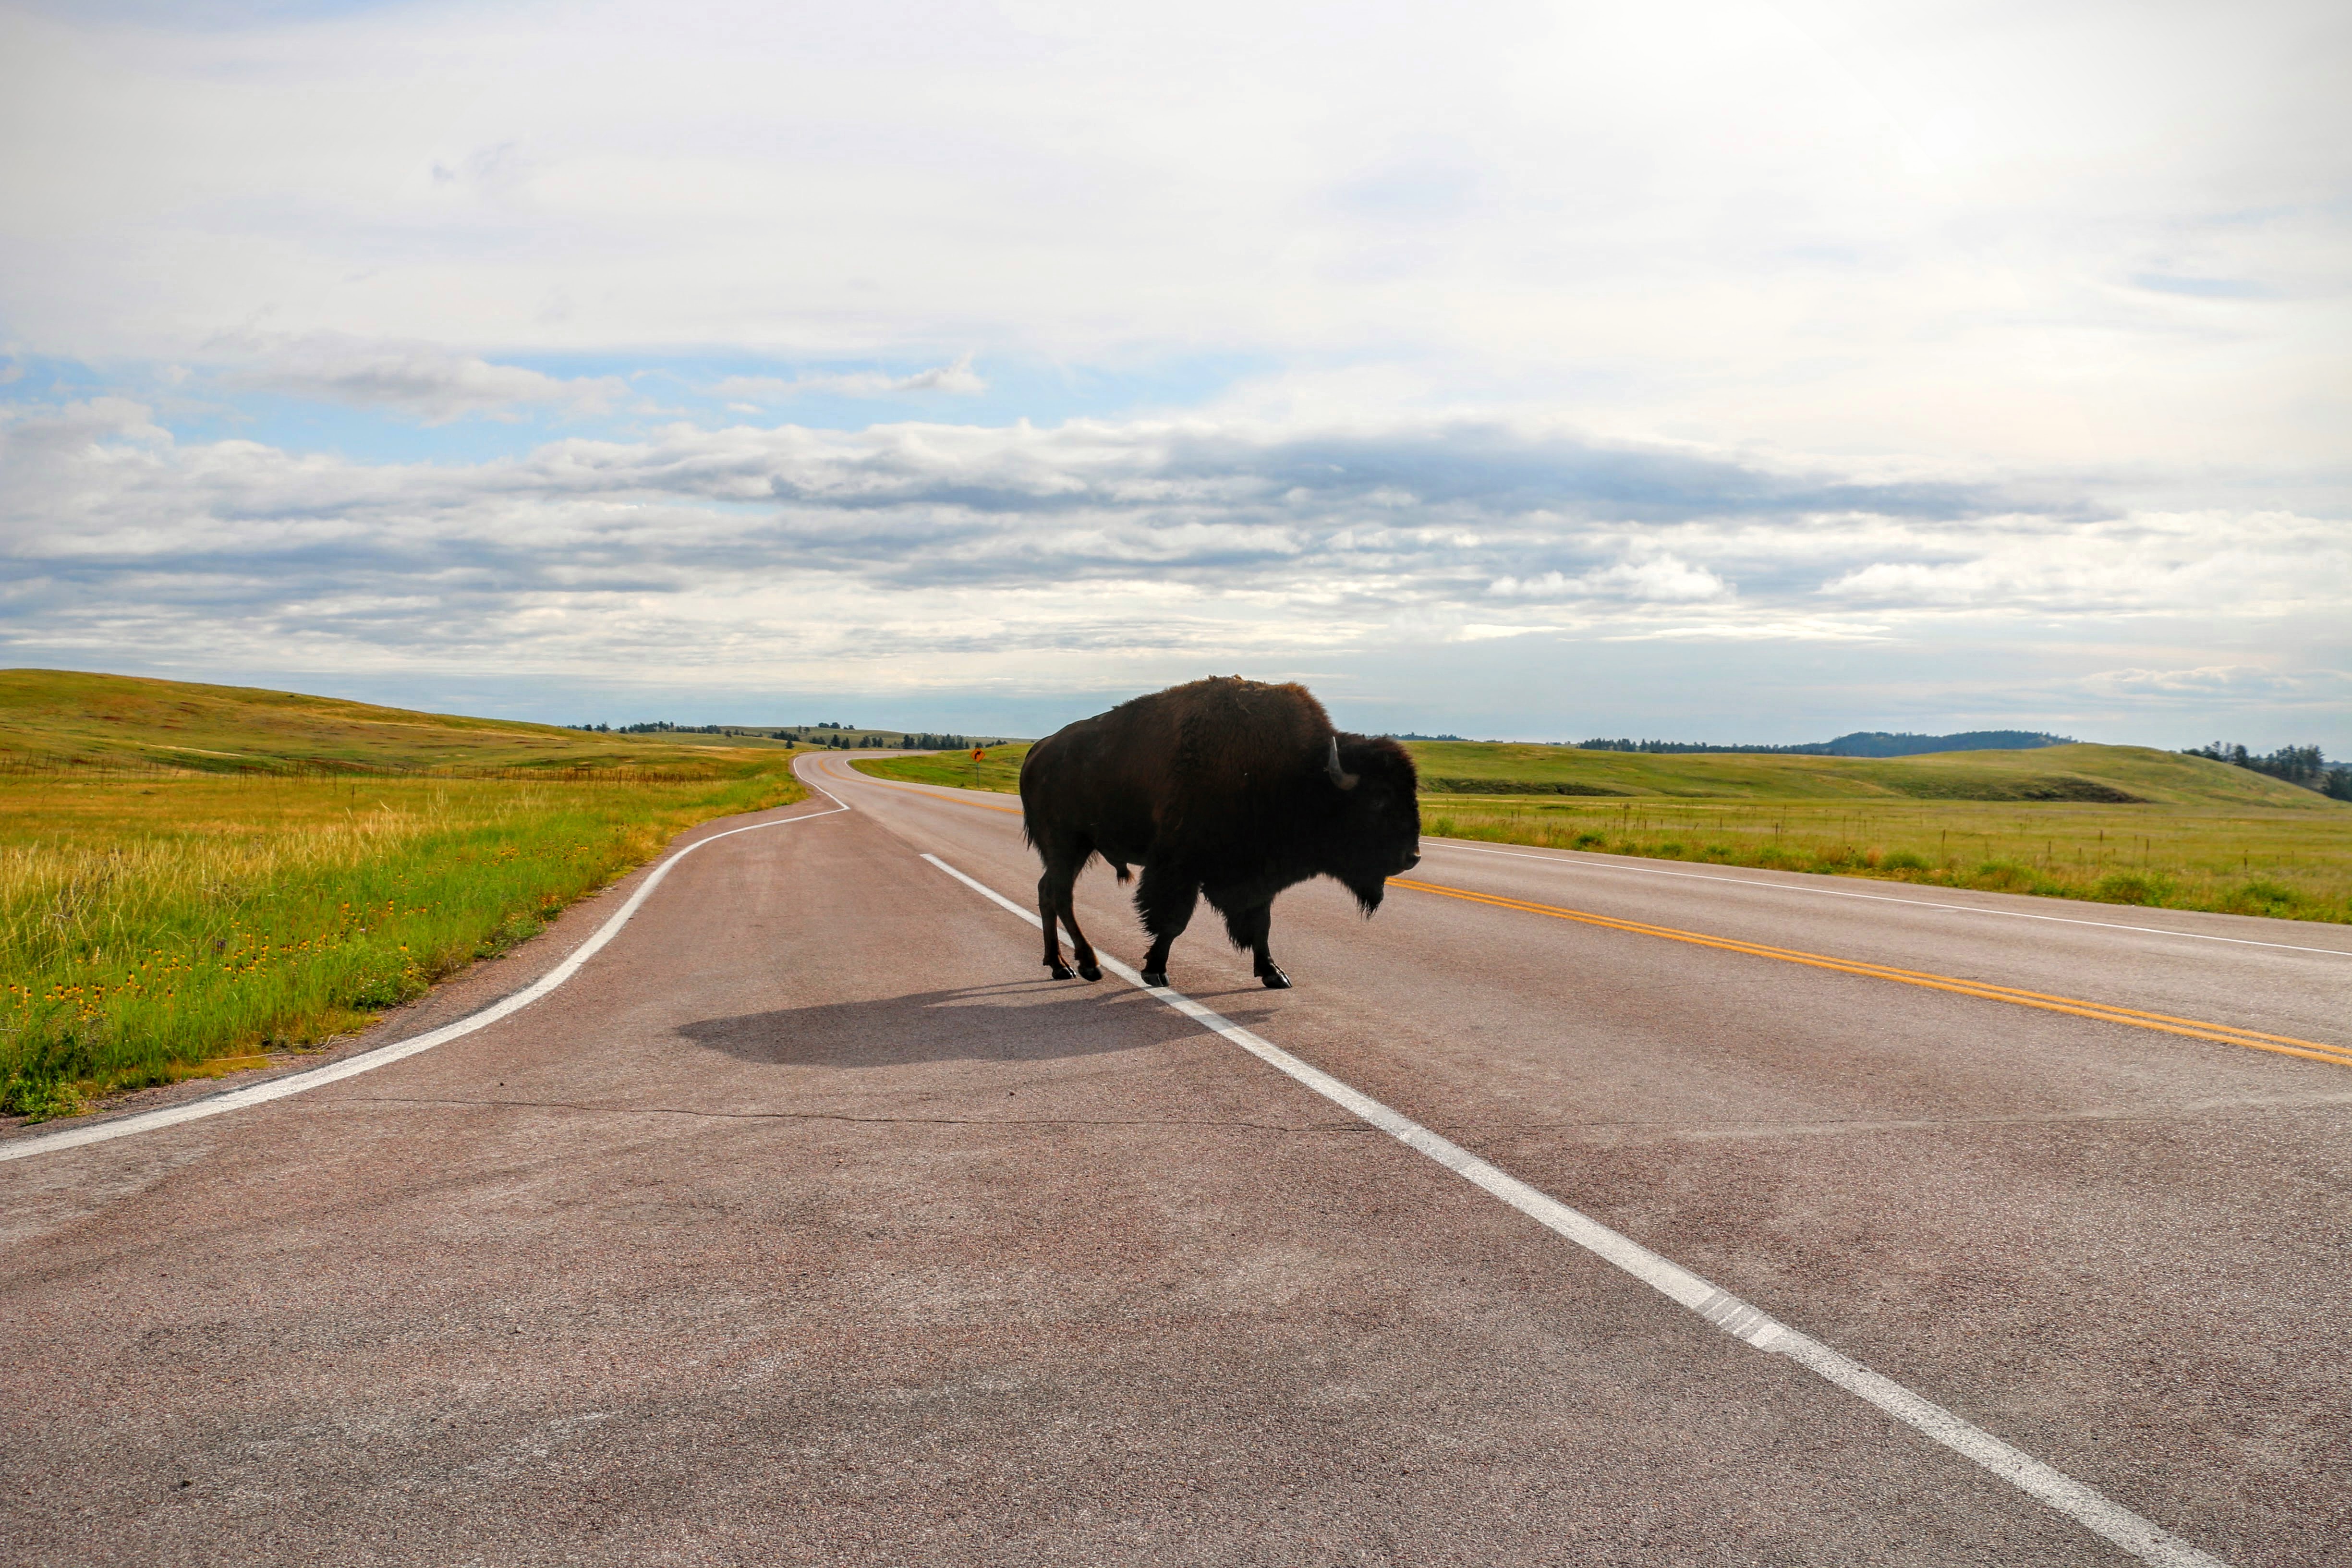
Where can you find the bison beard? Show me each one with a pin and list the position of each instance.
(1226, 787)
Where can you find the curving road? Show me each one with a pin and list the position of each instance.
(809, 1221)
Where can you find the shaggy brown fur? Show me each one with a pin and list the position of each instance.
(1222, 786)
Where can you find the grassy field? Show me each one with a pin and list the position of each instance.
(325, 861)
(52, 720)
(998, 768)
(2186, 833)
(2105, 775)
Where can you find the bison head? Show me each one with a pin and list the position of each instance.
(1375, 830)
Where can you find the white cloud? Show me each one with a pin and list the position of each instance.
(1826, 225)
(2051, 298)
(2245, 680)
(1654, 576)
(2230, 564)
(1804, 628)
(953, 553)
(767, 390)
(422, 381)
(1917, 582)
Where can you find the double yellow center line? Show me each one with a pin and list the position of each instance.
(2252, 1039)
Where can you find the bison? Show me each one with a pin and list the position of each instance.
(1229, 787)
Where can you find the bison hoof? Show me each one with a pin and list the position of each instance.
(1089, 971)
(1062, 972)
(1155, 977)
(1274, 978)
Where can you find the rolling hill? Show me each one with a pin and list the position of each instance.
(2116, 774)
(51, 718)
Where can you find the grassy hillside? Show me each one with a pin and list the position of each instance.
(2116, 774)
(62, 719)
(2117, 824)
(190, 876)
(998, 768)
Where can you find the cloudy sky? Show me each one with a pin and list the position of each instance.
(1712, 371)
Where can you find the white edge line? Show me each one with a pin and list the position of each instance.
(1751, 1325)
(1876, 898)
(384, 1056)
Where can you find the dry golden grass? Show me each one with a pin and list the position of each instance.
(157, 922)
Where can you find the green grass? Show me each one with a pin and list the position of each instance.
(2050, 772)
(67, 720)
(159, 922)
(998, 768)
(2197, 835)
(2237, 861)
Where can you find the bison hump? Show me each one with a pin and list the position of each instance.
(1233, 735)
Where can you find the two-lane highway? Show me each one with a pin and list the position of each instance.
(808, 1221)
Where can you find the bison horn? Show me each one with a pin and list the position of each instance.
(1339, 776)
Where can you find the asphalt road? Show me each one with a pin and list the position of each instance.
(810, 1222)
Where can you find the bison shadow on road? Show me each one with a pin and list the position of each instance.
(1010, 1023)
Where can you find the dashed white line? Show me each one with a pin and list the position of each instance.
(1751, 1325)
(384, 1056)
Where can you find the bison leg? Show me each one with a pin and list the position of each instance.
(1080, 948)
(1252, 927)
(1067, 906)
(1049, 909)
(1165, 901)
(1056, 902)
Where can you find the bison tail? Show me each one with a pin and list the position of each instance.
(1125, 876)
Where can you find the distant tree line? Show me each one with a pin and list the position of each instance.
(1602, 743)
(924, 743)
(1861, 744)
(835, 735)
(2304, 765)
(663, 727)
